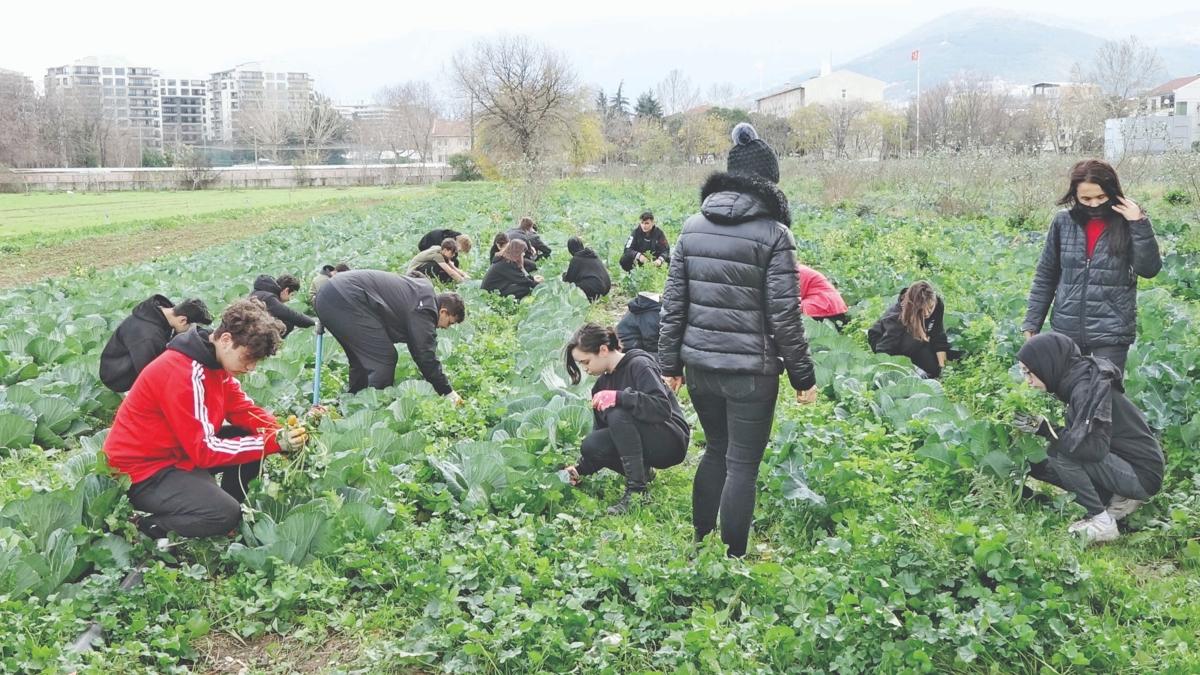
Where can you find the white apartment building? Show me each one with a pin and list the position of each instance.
(450, 137)
(236, 89)
(184, 111)
(125, 94)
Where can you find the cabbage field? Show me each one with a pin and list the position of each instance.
(414, 537)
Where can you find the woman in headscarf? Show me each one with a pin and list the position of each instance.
(1106, 455)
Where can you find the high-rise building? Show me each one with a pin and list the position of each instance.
(184, 111)
(233, 92)
(13, 83)
(127, 95)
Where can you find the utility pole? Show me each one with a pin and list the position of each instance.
(916, 56)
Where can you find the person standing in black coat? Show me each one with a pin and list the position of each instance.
(507, 275)
(638, 425)
(731, 323)
(275, 293)
(527, 232)
(647, 243)
(1107, 455)
(915, 327)
(1095, 252)
(638, 329)
(143, 335)
(369, 311)
(586, 271)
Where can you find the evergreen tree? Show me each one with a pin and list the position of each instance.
(648, 106)
(619, 105)
(602, 103)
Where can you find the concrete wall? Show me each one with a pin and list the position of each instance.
(104, 180)
(1149, 135)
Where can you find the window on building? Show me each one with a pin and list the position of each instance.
(108, 71)
(119, 71)
(1181, 108)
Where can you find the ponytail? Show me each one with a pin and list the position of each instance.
(588, 339)
(912, 308)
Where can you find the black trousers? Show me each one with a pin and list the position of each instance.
(736, 412)
(629, 259)
(363, 337)
(657, 445)
(1092, 483)
(435, 271)
(191, 503)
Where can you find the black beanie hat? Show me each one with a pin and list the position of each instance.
(751, 156)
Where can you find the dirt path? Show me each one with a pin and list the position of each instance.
(104, 251)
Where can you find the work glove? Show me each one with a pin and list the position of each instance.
(603, 400)
(292, 437)
(1033, 424)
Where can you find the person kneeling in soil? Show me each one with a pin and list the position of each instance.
(143, 335)
(638, 425)
(819, 299)
(169, 438)
(275, 294)
(647, 243)
(369, 311)
(638, 329)
(1106, 456)
(437, 262)
(507, 275)
(587, 271)
(914, 327)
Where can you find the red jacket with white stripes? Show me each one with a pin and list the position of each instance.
(175, 411)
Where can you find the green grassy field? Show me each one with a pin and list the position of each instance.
(47, 213)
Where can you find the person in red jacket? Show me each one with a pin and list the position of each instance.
(819, 299)
(187, 418)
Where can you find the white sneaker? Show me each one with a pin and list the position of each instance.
(1119, 507)
(1100, 527)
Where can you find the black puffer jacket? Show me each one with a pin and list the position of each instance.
(638, 329)
(1095, 301)
(587, 272)
(732, 303)
(268, 291)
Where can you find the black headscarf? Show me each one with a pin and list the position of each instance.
(1085, 383)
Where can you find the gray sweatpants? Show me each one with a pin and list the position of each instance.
(1092, 483)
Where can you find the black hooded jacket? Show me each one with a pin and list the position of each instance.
(435, 238)
(532, 239)
(1095, 300)
(138, 340)
(652, 244)
(268, 291)
(889, 335)
(1100, 418)
(638, 329)
(640, 390)
(405, 306)
(732, 303)
(587, 271)
(507, 279)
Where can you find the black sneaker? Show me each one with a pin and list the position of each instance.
(626, 503)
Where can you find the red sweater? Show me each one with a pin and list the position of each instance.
(175, 409)
(1095, 228)
(818, 297)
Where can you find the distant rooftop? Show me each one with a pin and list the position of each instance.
(1172, 86)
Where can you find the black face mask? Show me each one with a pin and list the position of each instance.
(1095, 211)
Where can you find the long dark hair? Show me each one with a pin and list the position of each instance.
(514, 252)
(1103, 174)
(912, 308)
(588, 339)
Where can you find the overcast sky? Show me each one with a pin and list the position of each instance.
(197, 38)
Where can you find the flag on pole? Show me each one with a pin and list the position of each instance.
(916, 55)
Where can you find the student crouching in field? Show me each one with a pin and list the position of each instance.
(527, 232)
(1106, 455)
(275, 294)
(638, 425)
(819, 299)
(731, 324)
(438, 262)
(327, 272)
(1095, 251)
(647, 244)
(143, 335)
(369, 311)
(587, 271)
(915, 327)
(638, 329)
(507, 275)
(187, 418)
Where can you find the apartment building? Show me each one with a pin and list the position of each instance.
(126, 94)
(234, 90)
(184, 111)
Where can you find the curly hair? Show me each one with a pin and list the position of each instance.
(250, 325)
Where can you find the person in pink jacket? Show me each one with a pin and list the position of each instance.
(819, 299)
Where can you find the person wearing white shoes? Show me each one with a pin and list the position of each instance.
(1106, 455)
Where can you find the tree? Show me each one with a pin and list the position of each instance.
(648, 107)
(676, 93)
(602, 103)
(619, 104)
(649, 143)
(810, 131)
(722, 93)
(523, 91)
(266, 124)
(315, 125)
(702, 137)
(1124, 70)
(840, 116)
(412, 109)
(774, 130)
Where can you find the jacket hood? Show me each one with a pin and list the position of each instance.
(264, 282)
(194, 344)
(151, 309)
(634, 355)
(585, 253)
(641, 303)
(729, 199)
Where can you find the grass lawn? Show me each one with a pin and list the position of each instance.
(51, 212)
